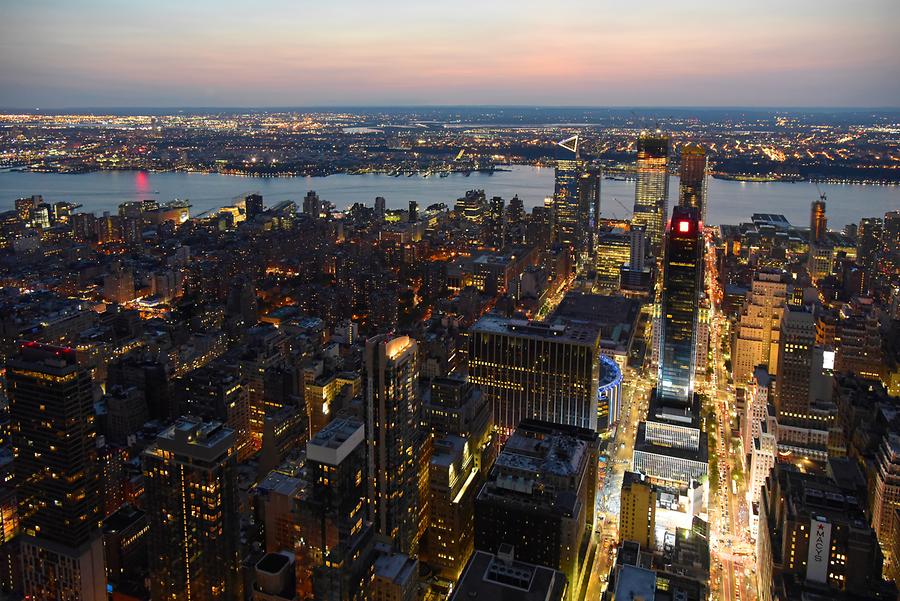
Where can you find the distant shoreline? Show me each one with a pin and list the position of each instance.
(611, 174)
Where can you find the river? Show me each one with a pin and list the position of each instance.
(729, 201)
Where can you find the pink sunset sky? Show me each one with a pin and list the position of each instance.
(347, 52)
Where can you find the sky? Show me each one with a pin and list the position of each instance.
(261, 53)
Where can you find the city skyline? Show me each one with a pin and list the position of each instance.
(102, 54)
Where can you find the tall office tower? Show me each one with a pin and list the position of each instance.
(636, 275)
(413, 214)
(692, 176)
(759, 326)
(638, 256)
(454, 406)
(537, 502)
(589, 180)
(651, 194)
(56, 472)
(637, 510)
(798, 336)
(568, 222)
(502, 576)
(515, 221)
(869, 235)
(818, 222)
(379, 208)
(312, 204)
(682, 286)
(218, 392)
(670, 445)
(459, 418)
(859, 348)
(393, 413)
(472, 207)
(191, 498)
(614, 245)
(335, 538)
(544, 370)
(495, 233)
(886, 495)
(253, 205)
(814, 539)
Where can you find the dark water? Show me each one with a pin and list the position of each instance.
(729, 202)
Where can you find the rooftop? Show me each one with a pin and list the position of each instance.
(489, 577)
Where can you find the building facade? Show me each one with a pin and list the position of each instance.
(56, 471)
(192, 509)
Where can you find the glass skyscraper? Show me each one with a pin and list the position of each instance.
(576, 200)
(652, 189)
(692, 178)
(682, 283)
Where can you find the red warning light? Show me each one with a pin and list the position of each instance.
(684, 227)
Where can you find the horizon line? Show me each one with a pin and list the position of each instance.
(798, 107)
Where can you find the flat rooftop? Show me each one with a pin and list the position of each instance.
(585, 333)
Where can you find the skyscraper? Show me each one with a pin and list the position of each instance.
(682, 285)
(192, 508)
(539, 497)
(759, 325)
(496, 223)
(335, 536)
(56, 473)
(818, 223)
(576, 199)
(670, 444)
(868, 240)
(589, 200)
(692, 178)
(253, 205)
(652, 189)
(798, 336)
(545, 370)
(393, 412)
(567, 225)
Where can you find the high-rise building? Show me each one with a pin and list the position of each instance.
(886, 494)
(868, 240)
(614, 246)
(670, 445)
(589, 199)
(412, 215)
(692, 178)
(379, 208)
(543, 370)
(218, 392)
(576, 199)
(335, 538)
(538, 503)
(502, 576)
(795, 356)
(191, 500)
(637, 510)
(818, 222)
(759, 326)
(566, 210)
(682, 286)
(813, 533)
(393, 414)
(453, 405)
(253, 205)
(496, 223)
(56, 471)
(464, 448)
(652, 188)
(312, 204)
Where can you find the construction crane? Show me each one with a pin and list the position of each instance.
(624, 208)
